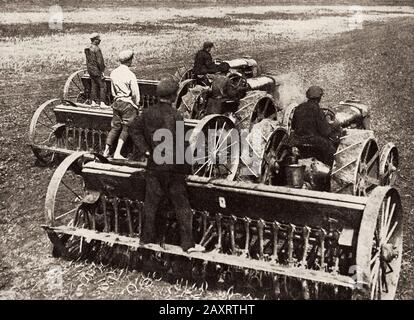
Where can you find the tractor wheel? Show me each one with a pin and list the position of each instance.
(356, 165)
(215, 144)
(183, 73)
(288, 116)
(389, 164)
(182, 91)
(379, 247)
(271, 155)
(253, 108)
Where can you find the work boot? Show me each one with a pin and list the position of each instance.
(119, 157)
(196, 248)
(104, 105)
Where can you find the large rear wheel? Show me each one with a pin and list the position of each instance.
(74, 89)
(380, 240)
(216, 147)
(45, 133)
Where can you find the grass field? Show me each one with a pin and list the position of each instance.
(157, 35)
(315, 45)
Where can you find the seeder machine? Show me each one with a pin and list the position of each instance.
(308, 231)
(294, 243)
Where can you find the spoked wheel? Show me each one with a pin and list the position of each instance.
(184, 73)
(253, 108)
(74, 89)
(389, 164)
(66, 190)
(272, 155)
(265, 108)
(356, 165)
(368, 169)
(45, 133)
(182, 91)
(380, 244)
(77, 247)
(216, 147)
(199, 107)
(288, 116)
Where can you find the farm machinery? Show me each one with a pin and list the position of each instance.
(60, 127)
(77, 87)
(290, 243)
(245, 66)
(337, 234)
(287, 241)
(358, 166)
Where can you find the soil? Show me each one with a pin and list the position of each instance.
(375, 64)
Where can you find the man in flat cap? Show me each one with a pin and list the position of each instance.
(126, 95)
(164, 179)
(311, 127)
(204, 64)
(96, 67)
(225, 95)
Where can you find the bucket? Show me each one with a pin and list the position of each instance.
(295, 175)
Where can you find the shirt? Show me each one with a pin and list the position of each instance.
(203, 63)
(310, 121)
(125, 85)
(222, 87)
(162, 115)
(94, 60)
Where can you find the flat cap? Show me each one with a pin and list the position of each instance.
(167, 87)
(314, 92)
(94, 35)
(208, 44)
(125, 55)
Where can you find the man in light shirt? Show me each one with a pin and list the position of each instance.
(126, 95)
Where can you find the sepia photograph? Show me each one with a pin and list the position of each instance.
(228, 151)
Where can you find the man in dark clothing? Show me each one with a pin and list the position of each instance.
(204, 64)
(310, 127)
(96, 67)
(225, 95)
(164, 179)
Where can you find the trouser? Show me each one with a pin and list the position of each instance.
(123, 115)
(97, 89)
(324, 147)
(160, 184)
(221, 106)
(214, 106)
(326, 150)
